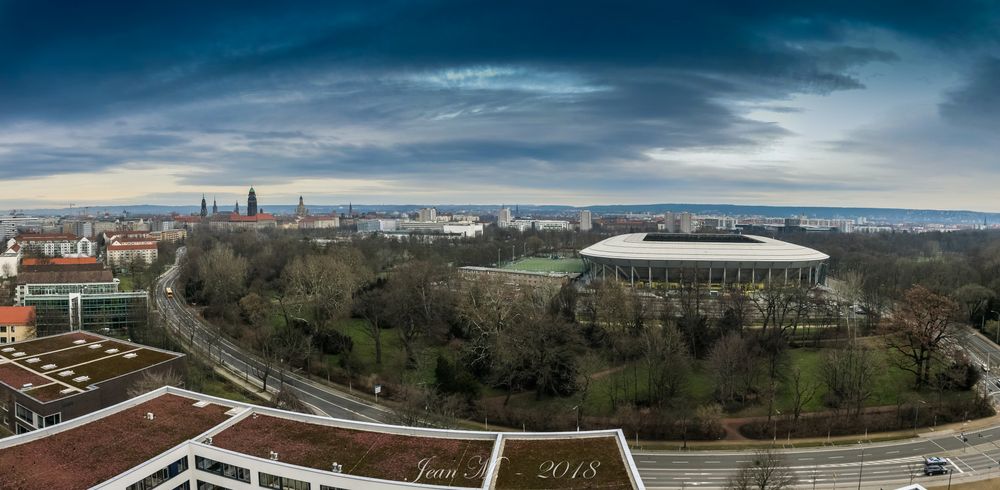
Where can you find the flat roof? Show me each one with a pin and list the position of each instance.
(361, 452)
(94, 452)
(653, 247)
(63, 365)
(114, 443)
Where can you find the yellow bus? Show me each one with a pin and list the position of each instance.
(170, 292)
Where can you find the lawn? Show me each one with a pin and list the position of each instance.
(544, 264)
(393, 356)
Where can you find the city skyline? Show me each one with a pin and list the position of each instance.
(809, 104)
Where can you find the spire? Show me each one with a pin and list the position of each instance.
(215, 206)
(204, 207)
(237, 210)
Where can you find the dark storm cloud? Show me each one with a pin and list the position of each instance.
(453, 88)
(977, 101)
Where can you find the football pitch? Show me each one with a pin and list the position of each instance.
(541, 264)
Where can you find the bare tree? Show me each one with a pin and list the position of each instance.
(849, 375)
(803, 391)
(922, 325)
(153, 380)
(765, 471)
(322, 287)
(371, 305)
(735, 365)
(224, 274)
(419, 297)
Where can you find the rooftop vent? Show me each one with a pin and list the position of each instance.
(130, 355)
(78, 342)
(273, 456)
(337, 467)
(111, 351)
(201, 404)
(26, 386)
(48, 367)
(81, 379)
(66, 391)
(65, 373)
(149, 415)
(7, 349)
(19, 354)
(95, 346)
(208, 440)
(32, 360)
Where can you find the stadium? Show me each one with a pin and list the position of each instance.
(715, 260)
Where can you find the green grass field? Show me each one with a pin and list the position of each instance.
(543, 264)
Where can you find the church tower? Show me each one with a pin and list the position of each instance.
(301, 209)
(252, 203)
(215, 206)
(237, 210)
(204, 207)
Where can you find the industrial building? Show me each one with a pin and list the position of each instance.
(714, 260)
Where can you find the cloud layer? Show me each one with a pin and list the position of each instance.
(577, 102)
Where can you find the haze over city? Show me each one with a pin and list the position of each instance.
(891, 104)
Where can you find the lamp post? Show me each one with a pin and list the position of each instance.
(862, 469)
(998, 325)
(577, 409)
(916, 414)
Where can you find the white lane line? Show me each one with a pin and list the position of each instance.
(836, 457)
(892, 452)
(647, 461)
(679, 462)
(953, 465)
(805, 459)
(712, 462)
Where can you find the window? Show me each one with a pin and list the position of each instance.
(222, 469)
(52, 419)
(164, 474)
(3, 328)
(183, 486)
(281, 483)
(24, 414)
(20, 429)
(204, 485)
(327, 487)
(3, 340)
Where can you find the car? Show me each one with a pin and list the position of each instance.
(931, 460)
(935, 469)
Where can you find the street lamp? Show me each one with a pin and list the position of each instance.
(776, 412)
(577, 408)
(862, 469)
(916, 414)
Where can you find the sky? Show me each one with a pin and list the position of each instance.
(827, 103)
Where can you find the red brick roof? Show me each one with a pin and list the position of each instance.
(46, 237)
(258, 217)
(132, 246)
(17, 315)
(59, 261)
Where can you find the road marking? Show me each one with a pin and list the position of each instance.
(836, 457)
(713, 462)
(955, 465)
(891, 452)
(805, 459)
(647, 461)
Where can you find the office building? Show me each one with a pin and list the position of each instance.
(678, 223)
(504, 217)
(585, 220)
(54, 379)
(69, 300)
(427, 215)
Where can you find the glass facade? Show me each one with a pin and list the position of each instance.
(56, 313)
(164, 474)
(222, 469)
(281, 483)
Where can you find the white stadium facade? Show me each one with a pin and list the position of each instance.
(713, 260)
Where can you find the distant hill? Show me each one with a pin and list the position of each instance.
(889, 215)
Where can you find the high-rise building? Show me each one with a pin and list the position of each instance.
(252, 203)
(427, 214)
(677, 222)
(585, 220)
(504, 217)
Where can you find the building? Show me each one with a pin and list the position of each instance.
(301, 210)
(677, 223)
(122, 253)
(318, 222)
(427, 215)
(442, 228)
(504, 217)
(251, 203)
(11, 226)
(519, 278)
(69, 300)
(176, 439)
(17, 323)
(713, 260)
(55, 245)
(376, 225)
(10, 259)
(204, 206)
(54, 379)
(78, 227)
(586, 223)
(178, 235)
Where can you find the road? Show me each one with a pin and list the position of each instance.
(183, 321)
(879, 465)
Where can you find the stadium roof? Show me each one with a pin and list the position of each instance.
(111, 445)
(667, 247)
(61, 366)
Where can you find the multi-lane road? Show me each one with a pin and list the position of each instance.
(973, 454)
(185, 323)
